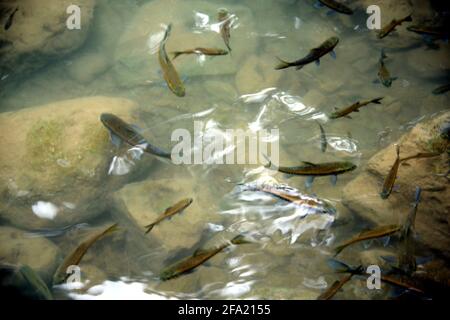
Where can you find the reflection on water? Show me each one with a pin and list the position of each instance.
(290, 240)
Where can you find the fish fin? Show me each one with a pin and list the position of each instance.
(199, 251)
(394, 78)
(282, 64)
(149, 227)
(392, 260)
(116, 141)
(367, 244)
(377, 81)
(287, 175)
(239, 239)
(309, 182)
(333, 54)
(385, 241)
(356, 110)
(333, 179)
(348, 117)
(339, 249)
(318, 5)
(339, 266)
(157, 151)
(176, 54)
(397, 150)
(417, 194)
(317, 62)
(309, 163)
(377, 100)
(299, 67)
(408, 18)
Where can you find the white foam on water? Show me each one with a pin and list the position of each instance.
(118, 290)
(45, 210)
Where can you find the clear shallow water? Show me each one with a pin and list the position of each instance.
(286, 264)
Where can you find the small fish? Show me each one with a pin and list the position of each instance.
(442, 89)
(407, 260)
(438, 32)
(9, 22)
(225, 26)
(353, 108)
(199, 257)
(312, 170)
(169, 212)
(314, 55)
(389, 181)
(400, 282)
(205, 51)
(421, 155)
(337, 6)
(319, 169)
(375, 233)
(21, 281)
(310, 204)
(76, 255)
(323, 139)
(169, 73)
(392, 25)
(334, 288)
(122, 131)
(430, 34)
(341, 267)
(383, 73)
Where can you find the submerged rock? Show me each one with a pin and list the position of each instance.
(20, 248)
(136, 59)
(38, 34)
(55, 160)
(432, 222)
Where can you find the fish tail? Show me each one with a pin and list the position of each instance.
(149, 228)
(282, 64)
(417, 195)
(176, 54)
(229, 48)
(339, 249)
(239, 239)
(157, 151)
(383, 55)
(377, 100)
